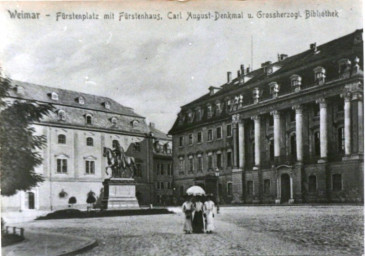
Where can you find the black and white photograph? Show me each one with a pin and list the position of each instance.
(182, 127)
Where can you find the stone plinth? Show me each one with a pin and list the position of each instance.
(119, 193)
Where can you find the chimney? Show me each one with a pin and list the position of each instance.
(282, 56)
(265, 64)
(313, 47)
(248, 70)
(229, 77)
(242, 69)
(152, 125)
(238, 73)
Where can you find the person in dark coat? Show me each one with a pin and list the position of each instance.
(198, 222)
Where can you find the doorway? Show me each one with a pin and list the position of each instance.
(285, 188)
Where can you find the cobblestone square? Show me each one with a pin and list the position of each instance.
(247, 230)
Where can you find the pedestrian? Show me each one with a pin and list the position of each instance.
(188, 209)
(209, 214)
(198, 222)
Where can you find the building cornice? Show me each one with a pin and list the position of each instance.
(83, 108)
(93, 129)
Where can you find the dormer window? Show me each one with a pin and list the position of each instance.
(229, 105)
(198, 112)
(89, 119)
(218, 107)
(190, 116)
(256, 93)
(319, 75)
(181, 118)
(61, 115)
(114, 120)
(19, 89)
(209, 110)
(54, 96)
(213, 90)
(81, 100)
(107, 105)
(134, 123)
(344, 68)
(296, 82)
(274, 89)
(269, 70)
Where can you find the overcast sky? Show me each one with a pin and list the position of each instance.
(157, 66)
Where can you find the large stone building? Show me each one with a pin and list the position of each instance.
(77, 131)
(290, 131)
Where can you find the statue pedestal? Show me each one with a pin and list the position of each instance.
(119, 193)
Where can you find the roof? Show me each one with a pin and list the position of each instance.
(159, 134)
(42, 93)
(116, 119)
(326, 55)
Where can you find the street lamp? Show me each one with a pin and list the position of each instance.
(217, 175)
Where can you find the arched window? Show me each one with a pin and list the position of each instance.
(61, 139)
(54, 96)
(81, 100)
(114, 120)
(88, 119)
(317, 144)
(312, 183)
(89, 141)
(293, 146)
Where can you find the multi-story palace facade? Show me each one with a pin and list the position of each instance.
(290, 131)
(78, 129)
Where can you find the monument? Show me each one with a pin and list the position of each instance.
(120, 189)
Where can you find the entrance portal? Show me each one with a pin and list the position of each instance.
(285, 188)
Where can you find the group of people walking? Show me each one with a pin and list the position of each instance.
(199, 216)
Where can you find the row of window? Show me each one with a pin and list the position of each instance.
(211, 135)
(211, 164)
(316, 144)
(312, 184)
(160, 169)
(61, 139)
(232, 102)
(229, 189)
(163, 185)
(89, 119)
(80, 100)
(90, 167)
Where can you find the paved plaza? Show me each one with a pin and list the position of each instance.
(247, 230)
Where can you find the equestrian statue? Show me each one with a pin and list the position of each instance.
(122, 166)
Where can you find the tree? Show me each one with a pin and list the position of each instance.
(19, 146)
(72, 200)
(90, 200)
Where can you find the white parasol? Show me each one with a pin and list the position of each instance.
(195, 191)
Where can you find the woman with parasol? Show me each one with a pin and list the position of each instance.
(198, 221)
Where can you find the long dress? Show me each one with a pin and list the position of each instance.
(188, 208)
(209, 213)
(198, 224)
